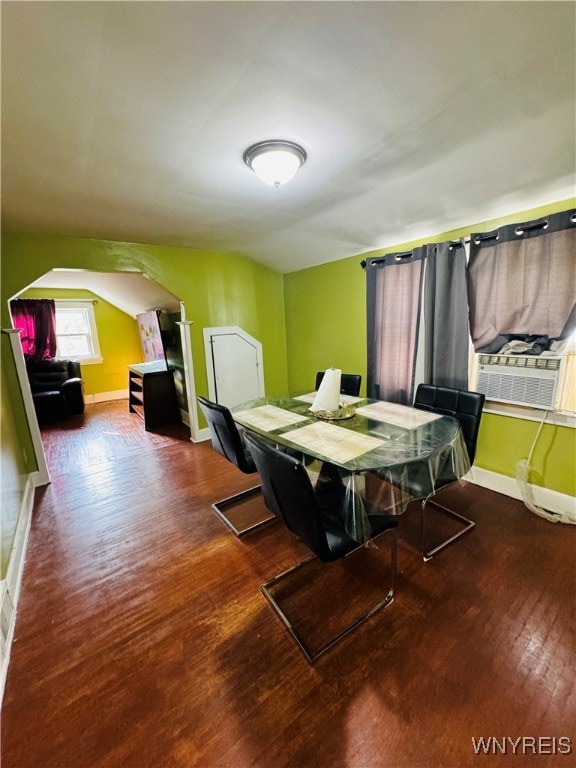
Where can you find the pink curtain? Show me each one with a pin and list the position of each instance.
(36, 319)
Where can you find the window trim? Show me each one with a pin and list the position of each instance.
(88, 306)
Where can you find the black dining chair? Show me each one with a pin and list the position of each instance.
(467, 407)
(349, 383)
(228, 442)
(315, 516)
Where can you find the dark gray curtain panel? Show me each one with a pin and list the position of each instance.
(446, 316)
(522, 281)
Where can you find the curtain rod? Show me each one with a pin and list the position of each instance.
(519, 230)
(77, 301)
(404, 254)
(60, 301)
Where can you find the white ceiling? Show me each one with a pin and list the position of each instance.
(128, 120)
(132, 292)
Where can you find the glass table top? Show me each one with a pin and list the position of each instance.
(378, 435)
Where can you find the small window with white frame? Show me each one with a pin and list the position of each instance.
(76, 331)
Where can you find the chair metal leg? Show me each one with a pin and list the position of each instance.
(310, 656)
(468, 525)
(233, 501)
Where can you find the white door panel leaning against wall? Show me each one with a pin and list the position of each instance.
(234, 365)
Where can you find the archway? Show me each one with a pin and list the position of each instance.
(132, 292)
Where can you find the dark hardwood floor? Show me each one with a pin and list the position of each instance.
(143, 639)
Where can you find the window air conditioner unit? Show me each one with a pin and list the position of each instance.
(519, 379)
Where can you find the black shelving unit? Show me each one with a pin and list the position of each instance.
(152, 395)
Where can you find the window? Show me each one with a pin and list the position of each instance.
(523, 314)
(76, 331)
(521, 285)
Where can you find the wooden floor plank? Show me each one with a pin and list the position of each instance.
(142, 638)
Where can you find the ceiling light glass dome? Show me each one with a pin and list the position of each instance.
(275, 162)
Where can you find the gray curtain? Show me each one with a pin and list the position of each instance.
(521, 281)
(398, 285)
(446, 317)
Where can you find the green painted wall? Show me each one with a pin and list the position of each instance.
(504, 441)
(217, 288)
(118, 337)
(326, 325)
(325, 322)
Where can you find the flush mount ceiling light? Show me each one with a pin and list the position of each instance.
(275, 162)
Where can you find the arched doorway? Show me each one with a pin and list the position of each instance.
(132, 293)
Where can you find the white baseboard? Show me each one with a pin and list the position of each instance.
(545, 498)
(203, 434)
(10, 587)
(103, 397)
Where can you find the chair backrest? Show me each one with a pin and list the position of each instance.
(285, 484)
(49, 375)
(463, 405)
(225, 436)
(349, 383)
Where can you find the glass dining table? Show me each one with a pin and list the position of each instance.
(374, 451)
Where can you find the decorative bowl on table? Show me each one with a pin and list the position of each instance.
(344, 411)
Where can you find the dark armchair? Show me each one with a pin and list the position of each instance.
(57, 388)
